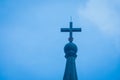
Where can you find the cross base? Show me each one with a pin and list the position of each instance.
(70, 39)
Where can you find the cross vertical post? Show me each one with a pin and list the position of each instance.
(70, 38)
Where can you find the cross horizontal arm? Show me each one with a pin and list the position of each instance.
(65, 30)
(68, 29)
(76, 29)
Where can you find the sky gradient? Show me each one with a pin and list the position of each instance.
(31, 44)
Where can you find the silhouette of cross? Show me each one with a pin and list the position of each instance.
(71, 30)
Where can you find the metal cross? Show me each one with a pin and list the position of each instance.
(71, 30)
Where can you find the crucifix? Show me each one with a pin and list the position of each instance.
(70, 30)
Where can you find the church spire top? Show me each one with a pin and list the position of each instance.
(70, 50)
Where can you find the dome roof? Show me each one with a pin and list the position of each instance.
(70, 47)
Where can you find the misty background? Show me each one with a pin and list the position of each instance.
(31, 44)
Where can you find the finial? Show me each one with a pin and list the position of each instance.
(70, 30)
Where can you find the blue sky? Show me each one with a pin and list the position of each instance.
(31, 44)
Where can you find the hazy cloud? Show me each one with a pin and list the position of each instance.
(103, 15)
